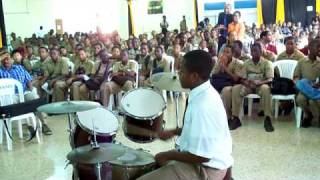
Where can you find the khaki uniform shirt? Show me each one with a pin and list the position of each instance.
(163, 64)
(261, 71)
(235, 67)
(144, 62)
(40, 65)
(308, 69)
(119, 67)
(268, 55)
(87, 65)
(53, 70)
(297, 55)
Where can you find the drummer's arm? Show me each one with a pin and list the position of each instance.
(164, 157)
(168, 134)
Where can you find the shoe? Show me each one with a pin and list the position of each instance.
(46, 130)
(31, 130)
(268, 124)
(261, 113)
(306, 122)
(234, 123)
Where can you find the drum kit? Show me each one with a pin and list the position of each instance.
(92, 131)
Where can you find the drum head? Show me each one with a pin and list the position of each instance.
(133, 158)
(143, 103)
(100, 120)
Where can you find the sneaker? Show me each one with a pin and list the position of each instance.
(306, 122)
(31, 130)
(268, 124)
(46, 130)
(234, 123)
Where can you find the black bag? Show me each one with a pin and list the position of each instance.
(94, 83)
(221, 80)
(283, 86)
(120, 80)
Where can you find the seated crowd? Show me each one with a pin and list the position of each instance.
(94, 66)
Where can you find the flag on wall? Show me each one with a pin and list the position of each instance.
(1, 45)
(318, 6)
(280, 13)
(259, 12)
(131, 22)
(196, 17)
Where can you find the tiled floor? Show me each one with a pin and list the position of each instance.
(287, 153)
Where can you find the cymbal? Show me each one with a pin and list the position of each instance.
(65, 107)
(87, 155)
(133, 157)
(167, 81)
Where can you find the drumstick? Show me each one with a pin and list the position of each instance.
(141, 131)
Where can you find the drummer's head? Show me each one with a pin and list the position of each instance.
(124, 56)
(195, 68)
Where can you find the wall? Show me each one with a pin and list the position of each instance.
(26, 16)
(173, 9)
(248, 15)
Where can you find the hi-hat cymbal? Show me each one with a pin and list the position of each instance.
(167, 81)
(65, 107)
(87, 155)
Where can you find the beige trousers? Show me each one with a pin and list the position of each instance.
(239, 92)
(175, 170)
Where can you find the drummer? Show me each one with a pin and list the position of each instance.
(204, 141)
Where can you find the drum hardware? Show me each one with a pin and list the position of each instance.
(169, 82)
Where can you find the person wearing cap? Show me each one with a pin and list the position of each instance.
(17, 72)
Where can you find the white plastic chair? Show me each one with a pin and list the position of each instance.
(286, 69)
(8, 96)
(170, 60)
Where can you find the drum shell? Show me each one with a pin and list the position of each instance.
(151, 125)
(87, 171)
(130, 172)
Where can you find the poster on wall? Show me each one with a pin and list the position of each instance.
(155, 7)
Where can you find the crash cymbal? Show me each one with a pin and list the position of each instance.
(65, 107)
(133, 157)
(167, 81)
(87, 155)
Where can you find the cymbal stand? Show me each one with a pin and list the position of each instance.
(94, 143)
(98, 171)
(69, 114)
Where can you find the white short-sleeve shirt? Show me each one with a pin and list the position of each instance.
(205, 131)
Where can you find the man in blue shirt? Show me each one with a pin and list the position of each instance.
(17, 72)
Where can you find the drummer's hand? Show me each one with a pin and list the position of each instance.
(162, 158)
(165, 135)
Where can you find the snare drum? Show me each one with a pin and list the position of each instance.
(143, 109)
(132, 164)
(105, 125)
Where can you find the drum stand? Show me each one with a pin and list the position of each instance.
(95, 145)
(176, 98)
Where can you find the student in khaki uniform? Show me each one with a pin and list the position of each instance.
(291, 51)
(309, 69)
(143, 60)
(257, 72)
(159, 63)
(237, 51)
(81, 68)
(98, 47)
(231, 67)
(100, 74)
(121, 69)
(177, 56)
(55, 73)
(38, 70)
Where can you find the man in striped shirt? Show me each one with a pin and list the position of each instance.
(17, 72)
